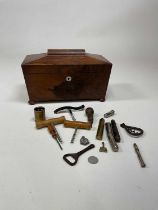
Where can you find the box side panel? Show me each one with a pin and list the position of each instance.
(62, 83)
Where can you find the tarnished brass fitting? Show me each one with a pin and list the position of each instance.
(39, 113)
(100, 130)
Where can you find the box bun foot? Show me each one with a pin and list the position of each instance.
(102, 99)
(31, 102)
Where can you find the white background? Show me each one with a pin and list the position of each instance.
(33, 175)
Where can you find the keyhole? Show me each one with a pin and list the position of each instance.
(68, 78)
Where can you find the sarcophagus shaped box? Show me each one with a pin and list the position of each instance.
(66, 75)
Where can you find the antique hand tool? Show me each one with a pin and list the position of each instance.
(90, 112)
(103, 148)
(100, 130)
(112, 142)
(115, 131)
(77, 124)
(69, 109)
(133, 131)
(74, 135)
(54, 134)
(139, 155)
(45, 123)
(75, 156)
(57, 134)
(109, 114)
(39, 113)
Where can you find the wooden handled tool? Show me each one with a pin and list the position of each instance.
(77, 124)
(45, 123)
(90, 112)
(54, 134)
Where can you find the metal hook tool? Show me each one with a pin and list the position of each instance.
(69, 110)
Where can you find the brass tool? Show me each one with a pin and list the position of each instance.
(103, 148)
(52, 131)
(90, 112)
(100, 130)
(77, 124)
(39, 113)
(45, 123)
(112, 142)
(143, 165)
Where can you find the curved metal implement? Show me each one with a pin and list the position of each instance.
(133, 131)
(65, 108)
(75, 156)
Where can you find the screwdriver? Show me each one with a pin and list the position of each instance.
(139, 155)
(54, 134)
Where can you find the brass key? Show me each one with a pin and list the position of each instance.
(103, 148)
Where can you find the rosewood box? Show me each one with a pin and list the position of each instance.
(66, 75)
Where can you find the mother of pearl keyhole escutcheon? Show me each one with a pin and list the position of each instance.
(68, 78)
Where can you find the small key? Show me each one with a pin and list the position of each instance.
(103, 148)
(143, 165)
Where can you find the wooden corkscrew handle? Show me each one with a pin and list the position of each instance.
(77, 124)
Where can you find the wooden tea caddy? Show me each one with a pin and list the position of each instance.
(66, 75)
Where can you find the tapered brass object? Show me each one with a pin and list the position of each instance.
(100, 130)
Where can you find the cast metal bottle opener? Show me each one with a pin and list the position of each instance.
(133, 131)
(75, 156)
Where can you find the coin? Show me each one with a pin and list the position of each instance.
(93, 160)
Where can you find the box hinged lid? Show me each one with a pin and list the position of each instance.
(65, 57)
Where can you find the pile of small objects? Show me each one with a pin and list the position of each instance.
(110, 127)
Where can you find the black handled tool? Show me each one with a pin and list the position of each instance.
(133, 131)
(69, 109)
(75, 156)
